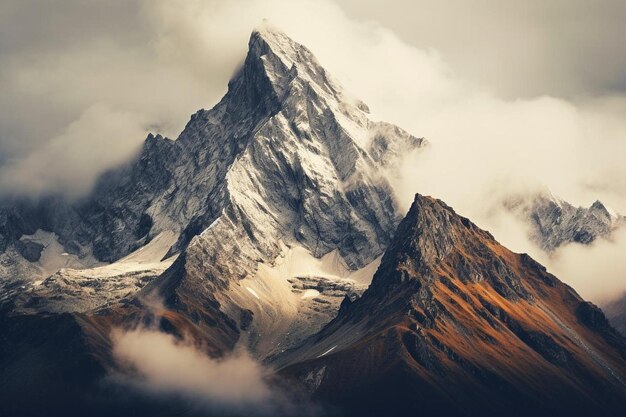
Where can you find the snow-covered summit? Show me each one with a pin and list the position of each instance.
(284, 59)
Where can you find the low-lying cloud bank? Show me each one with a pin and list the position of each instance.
(598, 271)
(165, 364)
(158, 364)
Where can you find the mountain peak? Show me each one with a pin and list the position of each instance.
(269, 39)
(279, 60)
(433, 237)
(599, 207)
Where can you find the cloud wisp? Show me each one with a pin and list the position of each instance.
(164, 364)
(159, 365)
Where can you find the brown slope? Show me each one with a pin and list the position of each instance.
(456, 324)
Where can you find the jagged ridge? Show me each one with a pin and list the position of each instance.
(555, 222)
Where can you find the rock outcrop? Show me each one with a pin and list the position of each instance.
(555, 222)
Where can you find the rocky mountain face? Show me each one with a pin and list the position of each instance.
(455, 324)
(555, 222)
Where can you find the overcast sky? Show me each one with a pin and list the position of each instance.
(565, 48)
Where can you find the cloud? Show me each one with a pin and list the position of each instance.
(165, 364)
(88, 77)
(162, 366)
(595, 271)
(178, 371)
(517, 49)
(74, 162)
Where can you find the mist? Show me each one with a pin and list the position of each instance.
(160, 366)
(595, 271)
(562, 48)
(164, 364)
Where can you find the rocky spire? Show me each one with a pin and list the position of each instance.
(432, 238)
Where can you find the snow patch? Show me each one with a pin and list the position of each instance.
(153, 252)
(72, 287)
(300, 262)
(328, 351)
(310, 294)
(251, 291)
(54, 257)
(286, 297)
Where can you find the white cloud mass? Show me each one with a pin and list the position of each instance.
(160, 365)
(165, 364)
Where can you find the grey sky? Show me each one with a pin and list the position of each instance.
(519, 48)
